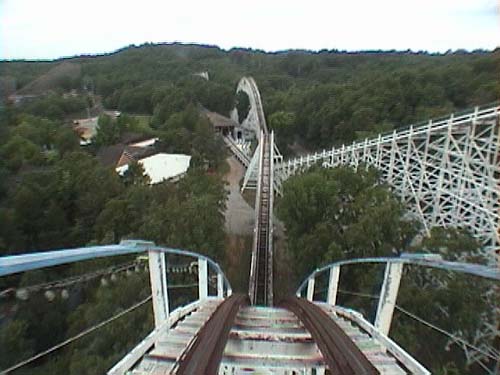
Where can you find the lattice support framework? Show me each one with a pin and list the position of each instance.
(446, 172)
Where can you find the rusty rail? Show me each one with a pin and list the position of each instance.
(339, 352)
(204, 354)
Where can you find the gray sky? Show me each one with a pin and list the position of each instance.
(54, 28)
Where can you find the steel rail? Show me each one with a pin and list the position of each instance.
(258, 102)
(252, 282)
(263, 230)
(260, 288)
(340, 353)
(20, 263)
(261, 272)
(204, 354)
(413, 259)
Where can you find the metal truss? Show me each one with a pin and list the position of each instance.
(446, 172)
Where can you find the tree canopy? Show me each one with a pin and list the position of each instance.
(338, 214)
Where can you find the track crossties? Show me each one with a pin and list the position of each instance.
(338, 349)
(261, 271)
(205, 351)
(301, 337)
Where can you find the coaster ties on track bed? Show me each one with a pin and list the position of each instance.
(204, 354)
(339, 351)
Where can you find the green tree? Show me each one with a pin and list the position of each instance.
(283, 123)
(452, 244)
(242, 105)
(135, 175)
(334, 214)
(108, 131)
(19, 151)
(188, 215)
(15, 342)
(66, 141)
(113, 223)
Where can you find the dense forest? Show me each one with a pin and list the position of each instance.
(317, 98)
(55, 193)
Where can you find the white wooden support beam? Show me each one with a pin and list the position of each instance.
(159, 291)
(310, 289)
(333, 284)
(442, 170)
(220, 285)
(202, 278)
(388, 296)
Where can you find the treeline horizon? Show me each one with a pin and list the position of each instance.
(303, 51)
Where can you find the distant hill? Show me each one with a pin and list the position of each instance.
(56, 77)
(314, 98)
(7, 86)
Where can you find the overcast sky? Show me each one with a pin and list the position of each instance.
(41, 29)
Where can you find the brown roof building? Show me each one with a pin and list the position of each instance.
(222, 124)
(121, 153)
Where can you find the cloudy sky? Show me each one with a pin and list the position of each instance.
(42, 29)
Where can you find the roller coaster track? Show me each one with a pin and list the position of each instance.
(258, 105)
(339, 351)
(260, 287)
(204, 354)
(261, 167)
(220, 334)
(261, 271)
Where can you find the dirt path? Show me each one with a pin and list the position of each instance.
(239, 229)
(239, 215)
(239, 234)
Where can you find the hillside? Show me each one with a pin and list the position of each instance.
(318, 98)
(60, 76)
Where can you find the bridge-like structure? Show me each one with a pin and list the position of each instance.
(446, 171)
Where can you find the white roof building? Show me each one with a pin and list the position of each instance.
(161, 167)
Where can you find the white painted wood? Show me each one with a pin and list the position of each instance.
(138, 352)
(164, 284)
(333, 283)
(406, 359)
(443, 171)
(220, 286)
(158, 286)
(388, 296)
(310, 289)
(202, 278)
